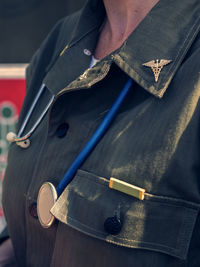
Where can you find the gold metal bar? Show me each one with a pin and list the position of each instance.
(127, 188)
(63, 51)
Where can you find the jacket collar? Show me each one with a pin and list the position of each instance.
(156, 37)
(167, 32)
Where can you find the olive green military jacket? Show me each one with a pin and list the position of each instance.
(153, 143)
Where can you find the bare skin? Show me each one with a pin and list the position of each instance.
(122, 18)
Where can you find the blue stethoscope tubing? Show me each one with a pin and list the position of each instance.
(94, 139)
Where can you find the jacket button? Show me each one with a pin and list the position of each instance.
(33, 210)
(113, 225)
(62, 130)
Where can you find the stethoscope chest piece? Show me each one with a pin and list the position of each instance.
(47, 197)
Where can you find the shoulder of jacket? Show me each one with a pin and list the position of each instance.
(67, 28)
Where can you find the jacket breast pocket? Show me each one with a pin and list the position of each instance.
(156, 223)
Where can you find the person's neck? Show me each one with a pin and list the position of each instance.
(122, 18)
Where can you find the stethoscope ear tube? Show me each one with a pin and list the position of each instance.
(41, 90)
(24, 144)
(24, 141)
(49, 199)
(11, 137)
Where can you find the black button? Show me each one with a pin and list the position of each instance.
(112, 225)
(33, 210)
(62, 130)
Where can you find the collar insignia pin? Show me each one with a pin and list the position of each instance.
(156, 66)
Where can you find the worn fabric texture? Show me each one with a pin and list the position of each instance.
(153, 143)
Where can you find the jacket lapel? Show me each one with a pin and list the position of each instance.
(74, 59)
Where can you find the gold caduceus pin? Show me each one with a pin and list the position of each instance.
(156, 66)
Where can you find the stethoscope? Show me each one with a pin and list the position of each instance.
(24, 141)
(48, 193)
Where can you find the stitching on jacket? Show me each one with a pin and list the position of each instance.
(120, 238)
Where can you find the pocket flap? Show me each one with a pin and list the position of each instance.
(157, 223)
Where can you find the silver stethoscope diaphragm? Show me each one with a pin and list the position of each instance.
(24, 141)
(47, 197)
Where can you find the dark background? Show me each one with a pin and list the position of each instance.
(25, 23)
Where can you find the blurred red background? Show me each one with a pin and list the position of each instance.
(12, 93)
